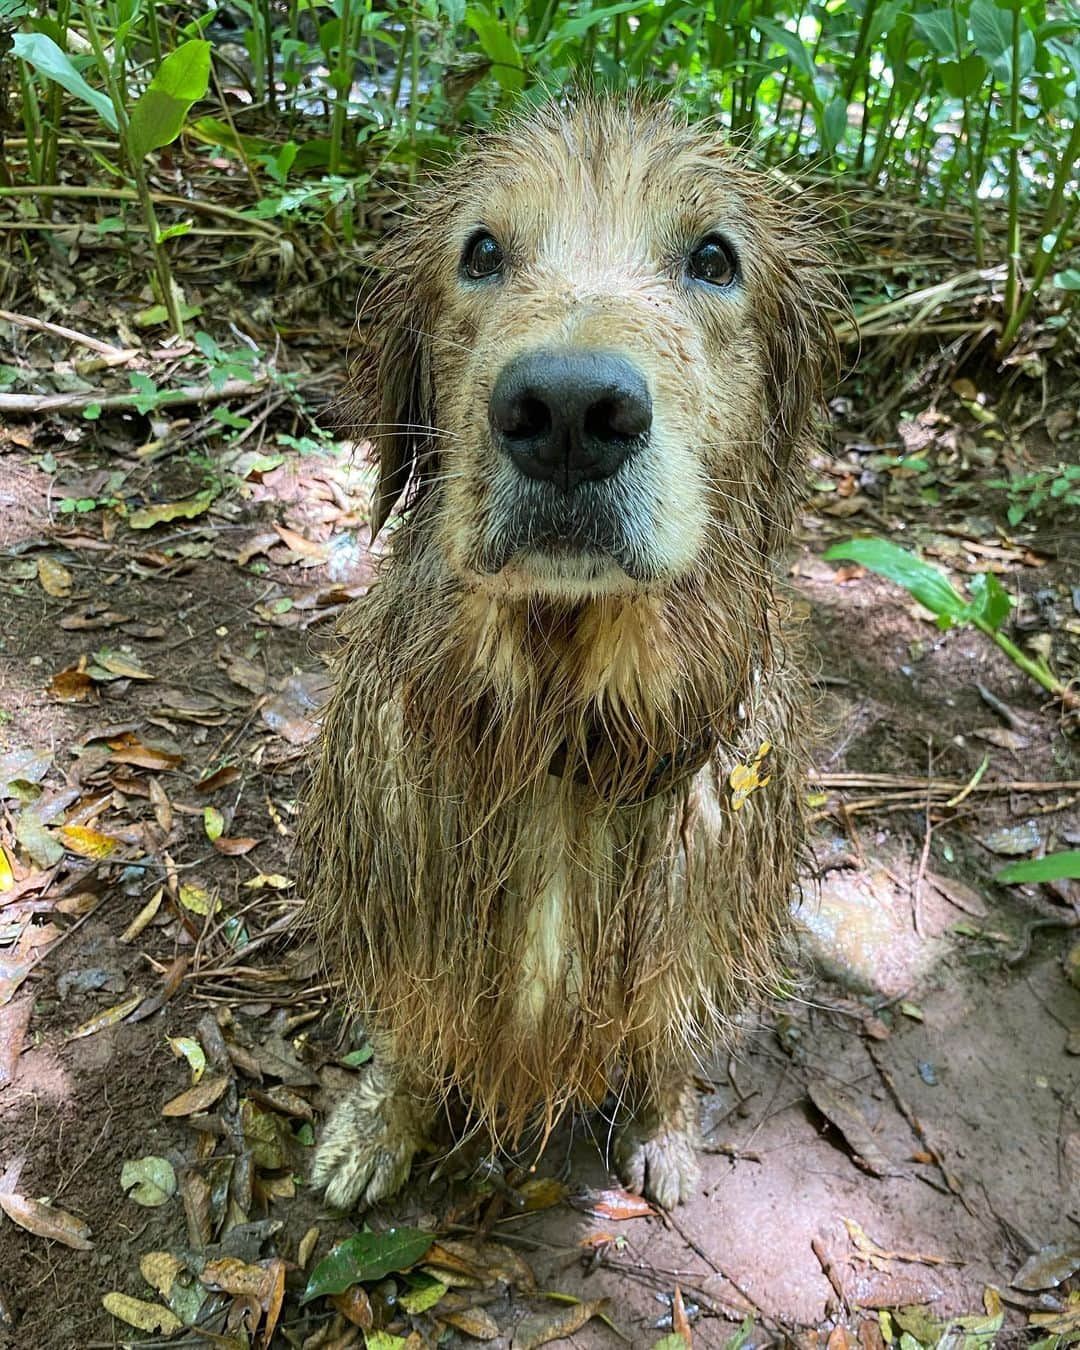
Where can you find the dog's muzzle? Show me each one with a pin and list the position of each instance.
(568, 417)
(568, 422)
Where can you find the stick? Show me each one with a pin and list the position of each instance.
(58, 330)
(201, 393)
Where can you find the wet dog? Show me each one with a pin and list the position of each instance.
(551, 840)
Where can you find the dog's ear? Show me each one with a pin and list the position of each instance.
(802, 357)
(391, 391)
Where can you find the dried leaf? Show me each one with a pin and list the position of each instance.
(142, 1315)
(538, 1329)
(475, 1322)
(14, 1019)
(198, 1098)
(236, 847)
(1050, 1266)
(228, 773)
(109, 665)
(355, 1306)
(54, 577)
(868, 1250)
(615, 1203)
(72, 686)
(139, 922)
(108, 1018)
(852, 1124)
(130, 750)
(46, 1222)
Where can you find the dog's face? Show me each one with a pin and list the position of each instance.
(595, 352)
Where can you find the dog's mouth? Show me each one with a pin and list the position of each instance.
(578, 535)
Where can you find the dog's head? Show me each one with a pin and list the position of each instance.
(593, 356)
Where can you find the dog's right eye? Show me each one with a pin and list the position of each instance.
(482, 256)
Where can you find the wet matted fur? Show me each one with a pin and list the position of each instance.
(523, 853)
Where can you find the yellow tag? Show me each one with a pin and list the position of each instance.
(747, 778)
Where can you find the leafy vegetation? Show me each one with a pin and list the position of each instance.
(972, 106)
(987, 609)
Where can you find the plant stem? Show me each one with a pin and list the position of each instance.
(1038, 673)
(1012, 281)
(169, 297)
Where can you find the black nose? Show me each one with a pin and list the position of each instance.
(570, 416)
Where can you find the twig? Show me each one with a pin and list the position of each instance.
(201, 393)
(917, 1128)
(58, 330)
(940, 787)
(916, 893)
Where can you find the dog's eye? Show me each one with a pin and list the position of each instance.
(482, 257)
(713, 261)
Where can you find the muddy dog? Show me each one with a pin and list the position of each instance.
(551, 840)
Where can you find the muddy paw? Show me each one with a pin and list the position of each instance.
(368, 1144)
(661, 1166)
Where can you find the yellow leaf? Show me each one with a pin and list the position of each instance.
(213, 823)
(7, 876)
(747, 778)
(197, 900)
(192, 1051)
(148, 516)
(274, 880)
(87, 843)
(136, 1312)
(139, 922)
(55, 579)
(108, 1018)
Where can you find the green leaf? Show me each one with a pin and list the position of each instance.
(1064, 866)
(41, 52)
(791, 43)
(367, 1256)
(936, 26)
(1069, 280)
(929, 586)
(497, 41)
(834, 122)
(158, 117)
(991, 29)
(355, 1058)
(148, 1181)
(991, 602)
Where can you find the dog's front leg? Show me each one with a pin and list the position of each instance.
(371, 1135)
(655, 1150)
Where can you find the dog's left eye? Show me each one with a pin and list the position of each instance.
(713, 261)
(482, 257)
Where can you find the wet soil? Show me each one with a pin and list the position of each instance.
(954, 1063)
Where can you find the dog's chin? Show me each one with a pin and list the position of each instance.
(560, 567)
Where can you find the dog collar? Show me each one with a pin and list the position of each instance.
(667, 773)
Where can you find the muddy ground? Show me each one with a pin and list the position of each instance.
(902, 1134)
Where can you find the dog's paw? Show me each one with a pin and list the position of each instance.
(368, 1144)
(660, 1165)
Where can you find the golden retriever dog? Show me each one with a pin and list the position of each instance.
(551, 840)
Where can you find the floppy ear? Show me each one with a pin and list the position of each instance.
(802, 354)
(391, 395)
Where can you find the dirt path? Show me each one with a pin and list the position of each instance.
(904, 1132)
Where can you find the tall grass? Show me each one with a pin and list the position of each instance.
(973, 105)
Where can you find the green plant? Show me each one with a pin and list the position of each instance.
(1063, 866)
(1040, 491)
(987, 609)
